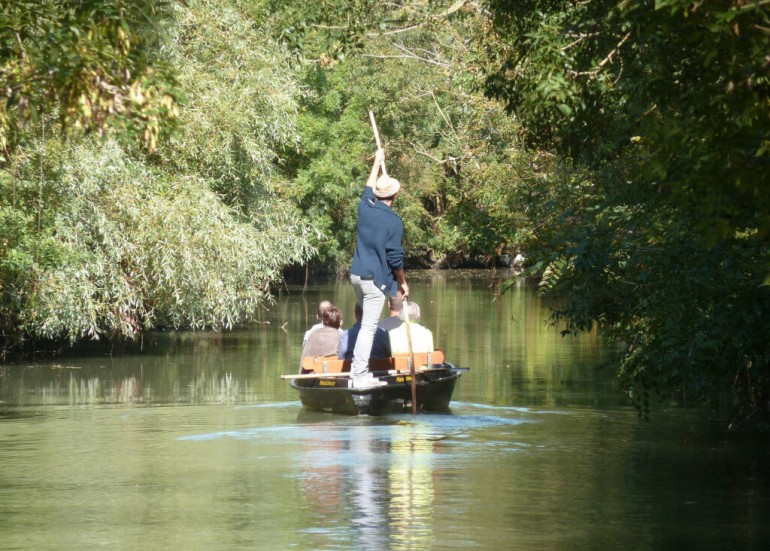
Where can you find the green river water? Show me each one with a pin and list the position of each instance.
(194, 442)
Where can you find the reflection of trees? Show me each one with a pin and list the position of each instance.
(376, 479)
(75, 388)
(411, 488)
(515, 355)
(173, 368)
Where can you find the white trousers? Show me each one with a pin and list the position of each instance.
(372, 300)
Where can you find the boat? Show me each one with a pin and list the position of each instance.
(325, 384)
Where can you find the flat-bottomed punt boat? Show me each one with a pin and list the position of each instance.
(326, 385)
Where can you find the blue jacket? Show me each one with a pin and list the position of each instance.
(348, 340)
(378, 245)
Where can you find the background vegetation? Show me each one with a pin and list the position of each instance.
(109, 236)
(659, 113)
(163, 163)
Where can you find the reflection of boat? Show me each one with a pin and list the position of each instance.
(328, 387)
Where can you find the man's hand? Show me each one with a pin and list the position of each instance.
(405, 290)
(401, 278)
(379, 158)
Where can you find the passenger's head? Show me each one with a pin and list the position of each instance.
(322, 307)
(413, 310)
(332, 317)
(395, 303)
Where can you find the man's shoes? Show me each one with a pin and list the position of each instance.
(367, 380)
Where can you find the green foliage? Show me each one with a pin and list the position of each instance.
(128, 248)
(241, 102)
(678, 88)
(655, 226)
(448, 145)
(87, 61)
(330, 28)
(100, 239)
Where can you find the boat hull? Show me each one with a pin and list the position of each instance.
(434, 392)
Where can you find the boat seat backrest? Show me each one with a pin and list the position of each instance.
(324, 364)
(399, 362)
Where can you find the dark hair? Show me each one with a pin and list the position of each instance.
(396, 302)
(332, 317)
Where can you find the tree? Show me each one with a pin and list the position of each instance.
(129, 248)
(656, 228)
(446, 141)
(90, 63)
(101, 238)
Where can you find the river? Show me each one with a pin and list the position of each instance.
(192, 441)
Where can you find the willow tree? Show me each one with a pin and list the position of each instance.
(111, 235)
(656, 227)
(90, 64)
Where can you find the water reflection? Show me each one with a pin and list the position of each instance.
(74, 385)
(377, 477)
(515, 357)
(411, 487)
(540, 451)
(380, 478)
(366, 482)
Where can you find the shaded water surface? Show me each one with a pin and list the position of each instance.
(195, 442)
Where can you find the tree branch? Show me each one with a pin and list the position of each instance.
(452, 9)
(603, 62)
(408, 54)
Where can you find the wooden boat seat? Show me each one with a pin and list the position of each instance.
(398, 362)
(324, 364)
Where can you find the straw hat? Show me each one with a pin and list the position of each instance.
(386, 187)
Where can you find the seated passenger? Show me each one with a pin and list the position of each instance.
(422, 337)
(348, 337)
(395, 304)
(319, 313)
(381, 343)
(324, 341)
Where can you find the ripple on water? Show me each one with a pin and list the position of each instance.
(323, 426)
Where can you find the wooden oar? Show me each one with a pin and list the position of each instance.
(405, 309)
(377, 139)
(315, 375)
(406, 314)
(347, 373)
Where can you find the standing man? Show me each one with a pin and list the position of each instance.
(378, 263)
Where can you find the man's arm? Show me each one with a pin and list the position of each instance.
(379, 157)
(401, 278)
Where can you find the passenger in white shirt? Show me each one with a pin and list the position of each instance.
(422, 337)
